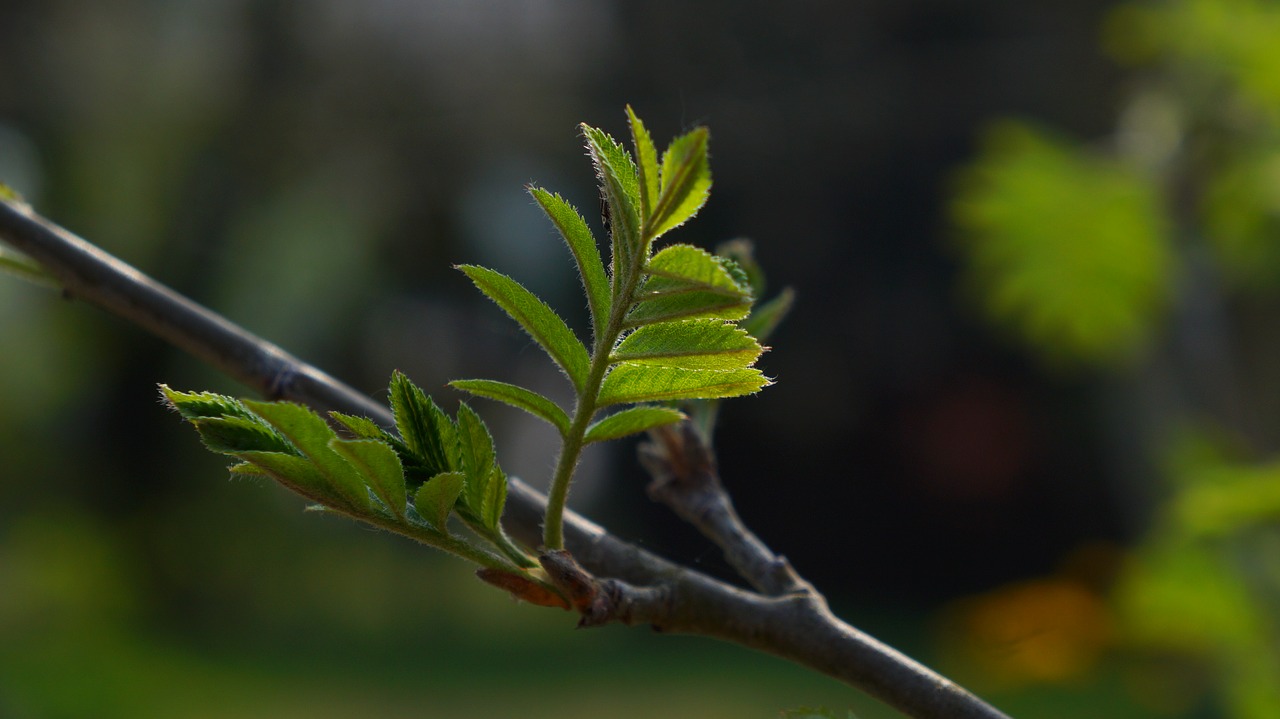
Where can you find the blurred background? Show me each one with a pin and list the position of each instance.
(1027, 404)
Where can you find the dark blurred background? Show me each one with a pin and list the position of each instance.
(312, 170)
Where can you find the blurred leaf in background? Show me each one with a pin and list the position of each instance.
(1160, 244)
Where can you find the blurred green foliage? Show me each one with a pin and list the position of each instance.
(1162, 244)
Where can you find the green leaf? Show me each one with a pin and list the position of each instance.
(194, 405)
(477, 456)
(427, 431)
(582, 244)
(436, 497)
(379, 466)
(311, 434)
(539, 320)
(631, 421)
(687, 282)
(694, 344)
(620, 186)
(645, 383)
(764, 319)
(299, 474)
(646, 164)
(229, 435)
(516, 396)
(361, 427)
(686, 182)
(493, 499)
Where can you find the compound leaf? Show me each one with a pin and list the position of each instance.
(632, 420)
(646, 383)
(539, 320)
(693, 344)
(517, 396)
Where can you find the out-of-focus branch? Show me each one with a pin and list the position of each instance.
(686, 479)
(639, 587)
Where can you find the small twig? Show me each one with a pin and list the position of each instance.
(642, 588)
(686, 479)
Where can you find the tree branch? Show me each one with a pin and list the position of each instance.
(640, 587)
(686, 479)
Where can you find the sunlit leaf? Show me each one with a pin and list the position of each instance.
(539, 320)
(621, 188)
(687, 282)
(631, 421)
(193, 405)
(629, 383)
(646, 164)
(516, 396)
(686, 182)
(694, 344)
(573, 228)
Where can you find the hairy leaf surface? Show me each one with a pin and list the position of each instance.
(688, 282)
(311, 434)
(517, 396)
(379, 466)
(228, 435)
(436, 497)
(427, 431)
(646, 164)
(646, 383)
(631, 421)
(686, 182)
(694, 344)
(539, 320)
(621, 185)
(573, 228)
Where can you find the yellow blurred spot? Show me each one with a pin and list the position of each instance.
(1041, 631)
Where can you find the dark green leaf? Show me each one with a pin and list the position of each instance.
(229, 435)
(493, 499)
(632, 420)
(686, 182)
(694, 344)
(645, 383)
(427, 431)
(311, 434)
(299, 474)
(379, 466)
(539, 320)
(646, 164)
(436, 497)
(582, 244)
(527, 400)
(477, 456)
